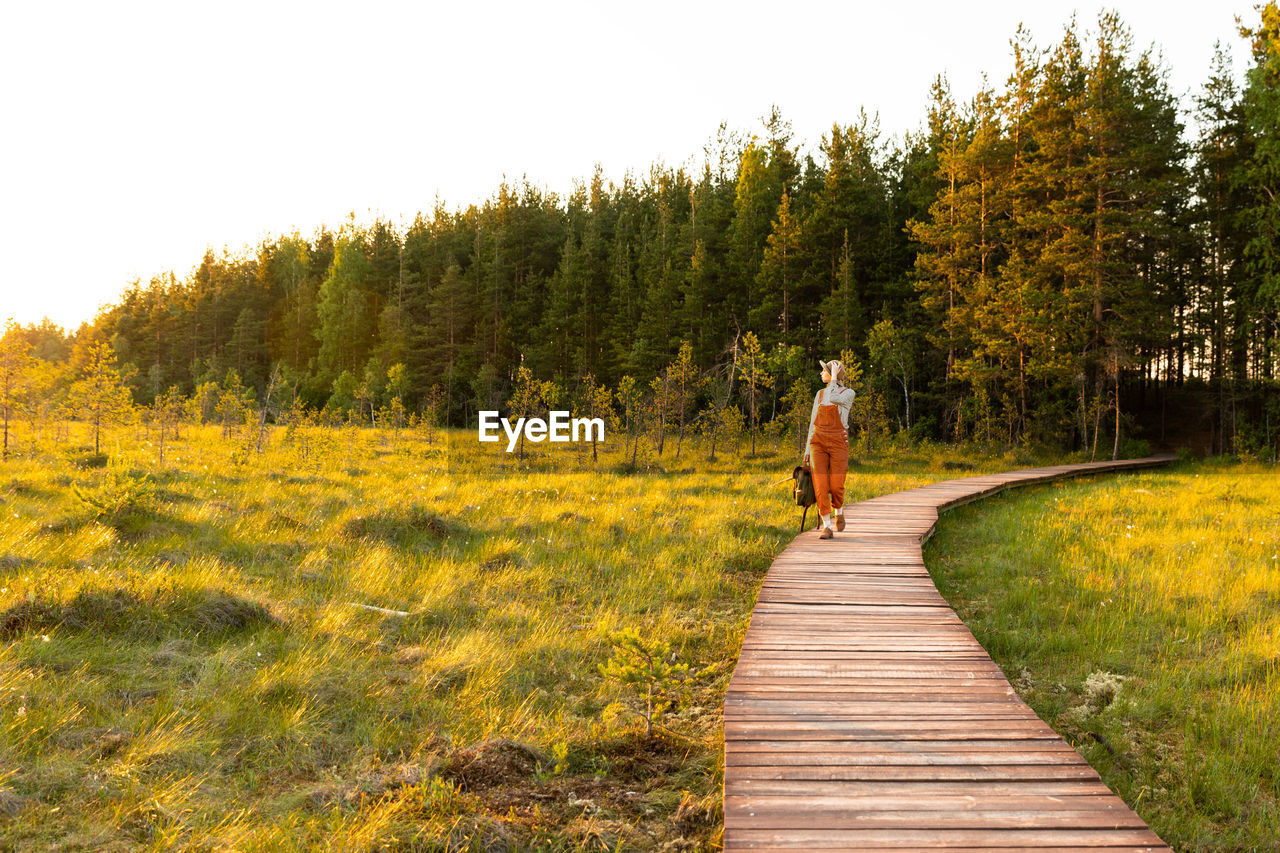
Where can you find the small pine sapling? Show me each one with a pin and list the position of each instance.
(655, 681)
(120, 499)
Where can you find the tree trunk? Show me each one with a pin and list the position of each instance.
(906, 399)
(684, 407)
(1097, 424)
(1115, 448)
(594, 457)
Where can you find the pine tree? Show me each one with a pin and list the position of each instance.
(345, 331)
(597, 402)
(16, 366)
(848, 223)
(646, 668)
(560, 332)
(630, 397)
(684, 381)
(1136, 175)
(100, 395)
(285, 267)
(444, 336)
(592, 281)
(756, 381)
(993, 308)
(525, 398)
(757, 195)
(235, 403)
(1218, 305)
(843, 314)
(166, 411)
(944, 263)
(776, 280)
(1259, 176)
(949, 259)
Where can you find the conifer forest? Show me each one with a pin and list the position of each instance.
(1077, 257)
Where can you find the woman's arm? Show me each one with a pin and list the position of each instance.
(841, 395)
(813, 416)
(844, 400)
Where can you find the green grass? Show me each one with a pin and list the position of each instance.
(1164, 587)
(185, 661)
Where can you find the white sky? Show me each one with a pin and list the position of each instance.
(133, 136)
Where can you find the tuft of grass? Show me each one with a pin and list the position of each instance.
(11, 805)
(190, 613)
(119, 499)
(88, 461)
(402, 528)
(494, 762)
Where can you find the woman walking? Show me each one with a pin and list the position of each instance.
(827, 446)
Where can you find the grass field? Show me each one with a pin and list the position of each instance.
(1139, 615)
(189, 660)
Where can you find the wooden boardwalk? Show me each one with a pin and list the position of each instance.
(863, 714)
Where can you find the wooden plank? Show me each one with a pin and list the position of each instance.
(788, 708)
(843, 731)
(944, 811)
(862, 713)
(917, 789)
(837, 774)
(935, 838)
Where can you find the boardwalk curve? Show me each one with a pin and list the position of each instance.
(863, 714)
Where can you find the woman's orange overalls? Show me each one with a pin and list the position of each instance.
(828, 456)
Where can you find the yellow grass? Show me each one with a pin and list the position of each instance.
(185, 661)
(198, 673)
(1168, 579)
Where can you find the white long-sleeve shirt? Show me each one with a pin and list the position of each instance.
(836, 395)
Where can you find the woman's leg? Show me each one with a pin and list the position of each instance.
(820, 464)
(838, 467)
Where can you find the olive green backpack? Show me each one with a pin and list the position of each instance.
(802, 490)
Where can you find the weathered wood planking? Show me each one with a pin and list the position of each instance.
(863, 714)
